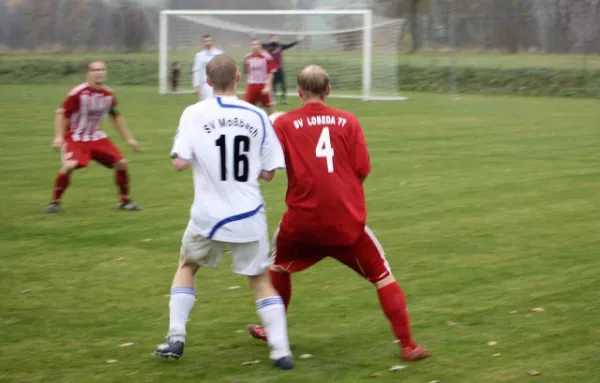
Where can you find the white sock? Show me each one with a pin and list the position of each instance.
(272, 314)
(182, 301)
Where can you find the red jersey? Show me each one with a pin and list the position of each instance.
(86, 107)
(258, 66)
(326, 161)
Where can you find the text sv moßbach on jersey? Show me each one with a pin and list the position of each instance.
(229, 122)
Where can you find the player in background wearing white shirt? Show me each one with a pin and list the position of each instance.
(230, 144)
(204, 90)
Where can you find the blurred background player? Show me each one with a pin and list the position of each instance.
(175, 75)
(327, 162)
(228, 208)
(201, 59)
(275, 49)
(259, 68)
(80, 136)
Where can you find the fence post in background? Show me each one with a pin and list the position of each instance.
(452, 21)
(163, 41)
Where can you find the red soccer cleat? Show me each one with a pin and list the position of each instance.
(413, 354)
(257, 332)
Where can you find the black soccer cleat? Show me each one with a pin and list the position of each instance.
(130, 205)
(285, 363)
(171, 349)
(53, 208)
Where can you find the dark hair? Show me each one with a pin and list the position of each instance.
(206, 36)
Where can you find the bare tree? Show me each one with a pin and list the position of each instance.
(412, 9)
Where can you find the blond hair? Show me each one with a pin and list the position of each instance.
(314, 80)
(222, 71)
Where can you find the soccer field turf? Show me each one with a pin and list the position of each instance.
(487, 207)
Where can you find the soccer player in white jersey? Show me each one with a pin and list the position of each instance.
(230, 144)
(204, 90)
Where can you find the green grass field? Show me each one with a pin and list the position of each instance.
(462, 58)
(487, 207)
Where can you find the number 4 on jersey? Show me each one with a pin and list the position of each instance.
(324, 148)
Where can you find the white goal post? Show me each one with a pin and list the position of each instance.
(359, 50)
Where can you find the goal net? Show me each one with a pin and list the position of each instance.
(359, 51)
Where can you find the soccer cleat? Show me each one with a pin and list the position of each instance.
(413, 354)
(171, 349)
(285, 363)
(130, 205)
(257, 332)
(53, 208)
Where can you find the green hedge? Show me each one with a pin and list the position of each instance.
(526, 82)
(55, 69)
(142, 70)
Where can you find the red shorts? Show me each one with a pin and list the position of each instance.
(102, 151)
(365, 256)
(254, 95)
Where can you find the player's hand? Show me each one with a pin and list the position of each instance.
(266, 90)
(133, 144)
(58, 142)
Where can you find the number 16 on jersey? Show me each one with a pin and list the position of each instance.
(324, 149)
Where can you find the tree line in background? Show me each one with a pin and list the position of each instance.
(552, 26)
(549, 26)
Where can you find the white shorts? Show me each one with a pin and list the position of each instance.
(252, 258)
(206, 92)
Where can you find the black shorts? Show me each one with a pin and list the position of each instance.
(278, 76)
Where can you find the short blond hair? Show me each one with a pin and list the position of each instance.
(314, 80)
(222, 71)
(93, 63)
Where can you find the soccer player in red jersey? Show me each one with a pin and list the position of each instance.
(327, 162)
(80, 136)
(259, 68)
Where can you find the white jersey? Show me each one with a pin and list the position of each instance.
(229, 142)
(200, 61)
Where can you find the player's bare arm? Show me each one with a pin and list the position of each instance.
(119, 124)
(269, 84)
(267, 175)
(180, 164)
(59, 130)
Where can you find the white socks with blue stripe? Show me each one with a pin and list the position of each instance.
(271, 311)
(180, 306)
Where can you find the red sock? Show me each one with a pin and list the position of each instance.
(122, 180)
(393, 304)
(283, 284)
(60, 185)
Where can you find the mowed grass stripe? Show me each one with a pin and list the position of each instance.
(487, 207)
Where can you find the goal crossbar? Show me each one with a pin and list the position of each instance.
(366, 28)
(238, 12)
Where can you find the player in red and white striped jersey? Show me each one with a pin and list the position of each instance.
(80, 136)
(259, 68)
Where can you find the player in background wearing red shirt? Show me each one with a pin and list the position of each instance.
(259, 68)
(327, 162)
(80, 136)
